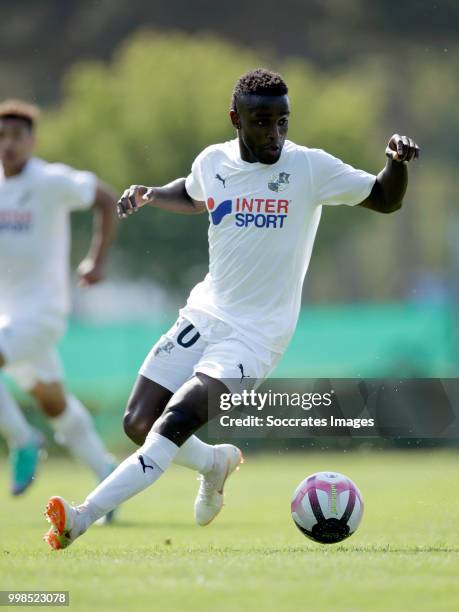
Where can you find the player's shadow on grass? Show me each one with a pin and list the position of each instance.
(396, 549)
(151, 525)
(309, 549)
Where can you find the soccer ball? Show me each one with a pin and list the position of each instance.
(327, 507)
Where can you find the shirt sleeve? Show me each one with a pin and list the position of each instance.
(74, 189)
(338, 183)
(194, 183)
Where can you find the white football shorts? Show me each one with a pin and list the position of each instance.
(28, 344)
(213, 348)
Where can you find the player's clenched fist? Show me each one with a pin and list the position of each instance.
(402, 148)
(132, 199)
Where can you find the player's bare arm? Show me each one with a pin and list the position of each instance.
(172, 197)
(391, 183)
(92, 269)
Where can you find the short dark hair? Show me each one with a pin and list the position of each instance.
(260, 82)
(17, 109)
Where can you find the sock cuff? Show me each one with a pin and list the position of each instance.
(196, 455)
(159, 449)
(74, 413)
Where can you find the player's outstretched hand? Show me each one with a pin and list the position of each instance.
(402, 148)
(132, 199)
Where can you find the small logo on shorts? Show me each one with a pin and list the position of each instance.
(165, 347)
(241, 367)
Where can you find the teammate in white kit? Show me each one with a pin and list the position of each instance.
(36, 199)
(264, 196)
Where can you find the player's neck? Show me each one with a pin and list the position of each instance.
(9, 171)
(245, 153)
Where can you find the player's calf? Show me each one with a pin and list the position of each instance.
(145, 405)
(189, 408)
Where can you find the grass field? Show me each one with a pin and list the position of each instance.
(404, 556)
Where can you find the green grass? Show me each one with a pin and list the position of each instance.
(404, 556)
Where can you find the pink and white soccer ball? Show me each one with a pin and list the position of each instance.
(327, 507)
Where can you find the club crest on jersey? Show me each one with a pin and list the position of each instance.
(279, 182)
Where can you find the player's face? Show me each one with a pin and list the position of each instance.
(263, 127)
(16, 143)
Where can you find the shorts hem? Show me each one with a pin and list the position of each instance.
(157, 378)
(209, 372)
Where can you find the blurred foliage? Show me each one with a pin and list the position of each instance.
(40, 40)
(145, 116)
(410, 254)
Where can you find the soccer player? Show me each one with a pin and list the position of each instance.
(36, 199)
(264, 196)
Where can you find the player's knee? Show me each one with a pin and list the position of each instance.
(188, 410)
(53, 407)
(50, 397)
(135, 427)
(145, 405)
(179, 423)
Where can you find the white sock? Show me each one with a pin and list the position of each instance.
(133, 475)
(13, 424)
(75, 429)
(196, 455)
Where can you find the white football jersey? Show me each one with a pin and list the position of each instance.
(263, 221)
(35, 208)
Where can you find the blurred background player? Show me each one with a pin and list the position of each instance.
(264, 195)
(36, 199)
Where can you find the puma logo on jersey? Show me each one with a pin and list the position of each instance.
(223, 180)
(25, 197)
